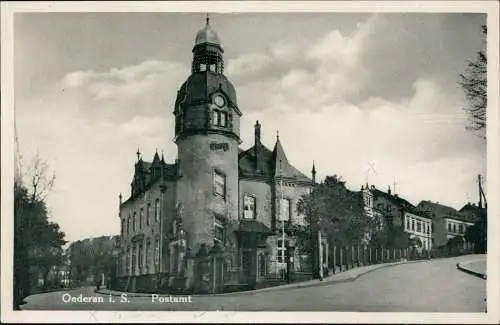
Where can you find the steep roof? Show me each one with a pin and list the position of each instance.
(399, 201)
(270, 167)
(442, 210)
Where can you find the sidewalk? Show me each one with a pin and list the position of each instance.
(476, 268)
(342, 277)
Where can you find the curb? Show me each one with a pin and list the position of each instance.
(471, 272)
(277, 288)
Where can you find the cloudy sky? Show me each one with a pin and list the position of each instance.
(347, 90)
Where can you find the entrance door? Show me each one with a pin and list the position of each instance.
(247, 264)
(219, 274)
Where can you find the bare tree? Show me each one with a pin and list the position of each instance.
(41, 181)
(474, 83)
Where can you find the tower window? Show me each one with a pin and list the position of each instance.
(223, 119)
(219, 118)
(215, 117)
(249, 207)
(203, 67)
(219, 184)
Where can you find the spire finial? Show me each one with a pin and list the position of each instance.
(138, 153)
(207, 18)
(277, 135)
(314, 168)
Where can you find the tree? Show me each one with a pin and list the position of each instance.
(335, 211)
(474, 83)
(37, 241)
(477, 233)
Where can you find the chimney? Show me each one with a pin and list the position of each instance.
(257, 133)
(389, 190)
(313, 171)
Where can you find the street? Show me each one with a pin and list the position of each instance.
(427, 286)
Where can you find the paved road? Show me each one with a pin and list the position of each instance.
(429, 286)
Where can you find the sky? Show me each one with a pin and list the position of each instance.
(369, 97)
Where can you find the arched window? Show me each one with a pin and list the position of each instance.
(157, 210)
(141, 218)
(148, 252)
(157, 253)
(134, 258)
(134, 221)
(148, 214)
(129, 260)
(128, 225)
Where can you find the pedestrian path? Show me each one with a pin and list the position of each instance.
(341, 277)
(475, 267)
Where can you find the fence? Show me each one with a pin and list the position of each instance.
(341, 258)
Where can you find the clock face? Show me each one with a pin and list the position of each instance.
(219, 100)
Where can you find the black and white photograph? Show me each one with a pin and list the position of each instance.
(230, 157)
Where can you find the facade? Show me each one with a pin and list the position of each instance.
(390, 210)
(93, 260)
(213, 218)
(419, 226)
(472, 212)
(447, 222)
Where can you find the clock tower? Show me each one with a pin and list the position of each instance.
(207, 129)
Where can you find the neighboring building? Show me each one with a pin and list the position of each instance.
(472, 212)
(447, 222)
(394, 211)
(217, 203)
(93, 259)
(419, 226)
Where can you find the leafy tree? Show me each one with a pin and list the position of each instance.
(393, 237)
(477, 233)
(37, 241)
(474, 83)
(335, 211)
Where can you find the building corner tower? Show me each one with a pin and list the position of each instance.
(207, 129)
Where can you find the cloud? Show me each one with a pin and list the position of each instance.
(377, 94)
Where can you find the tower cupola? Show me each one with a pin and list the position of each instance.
(206, 101)
(207, 51)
